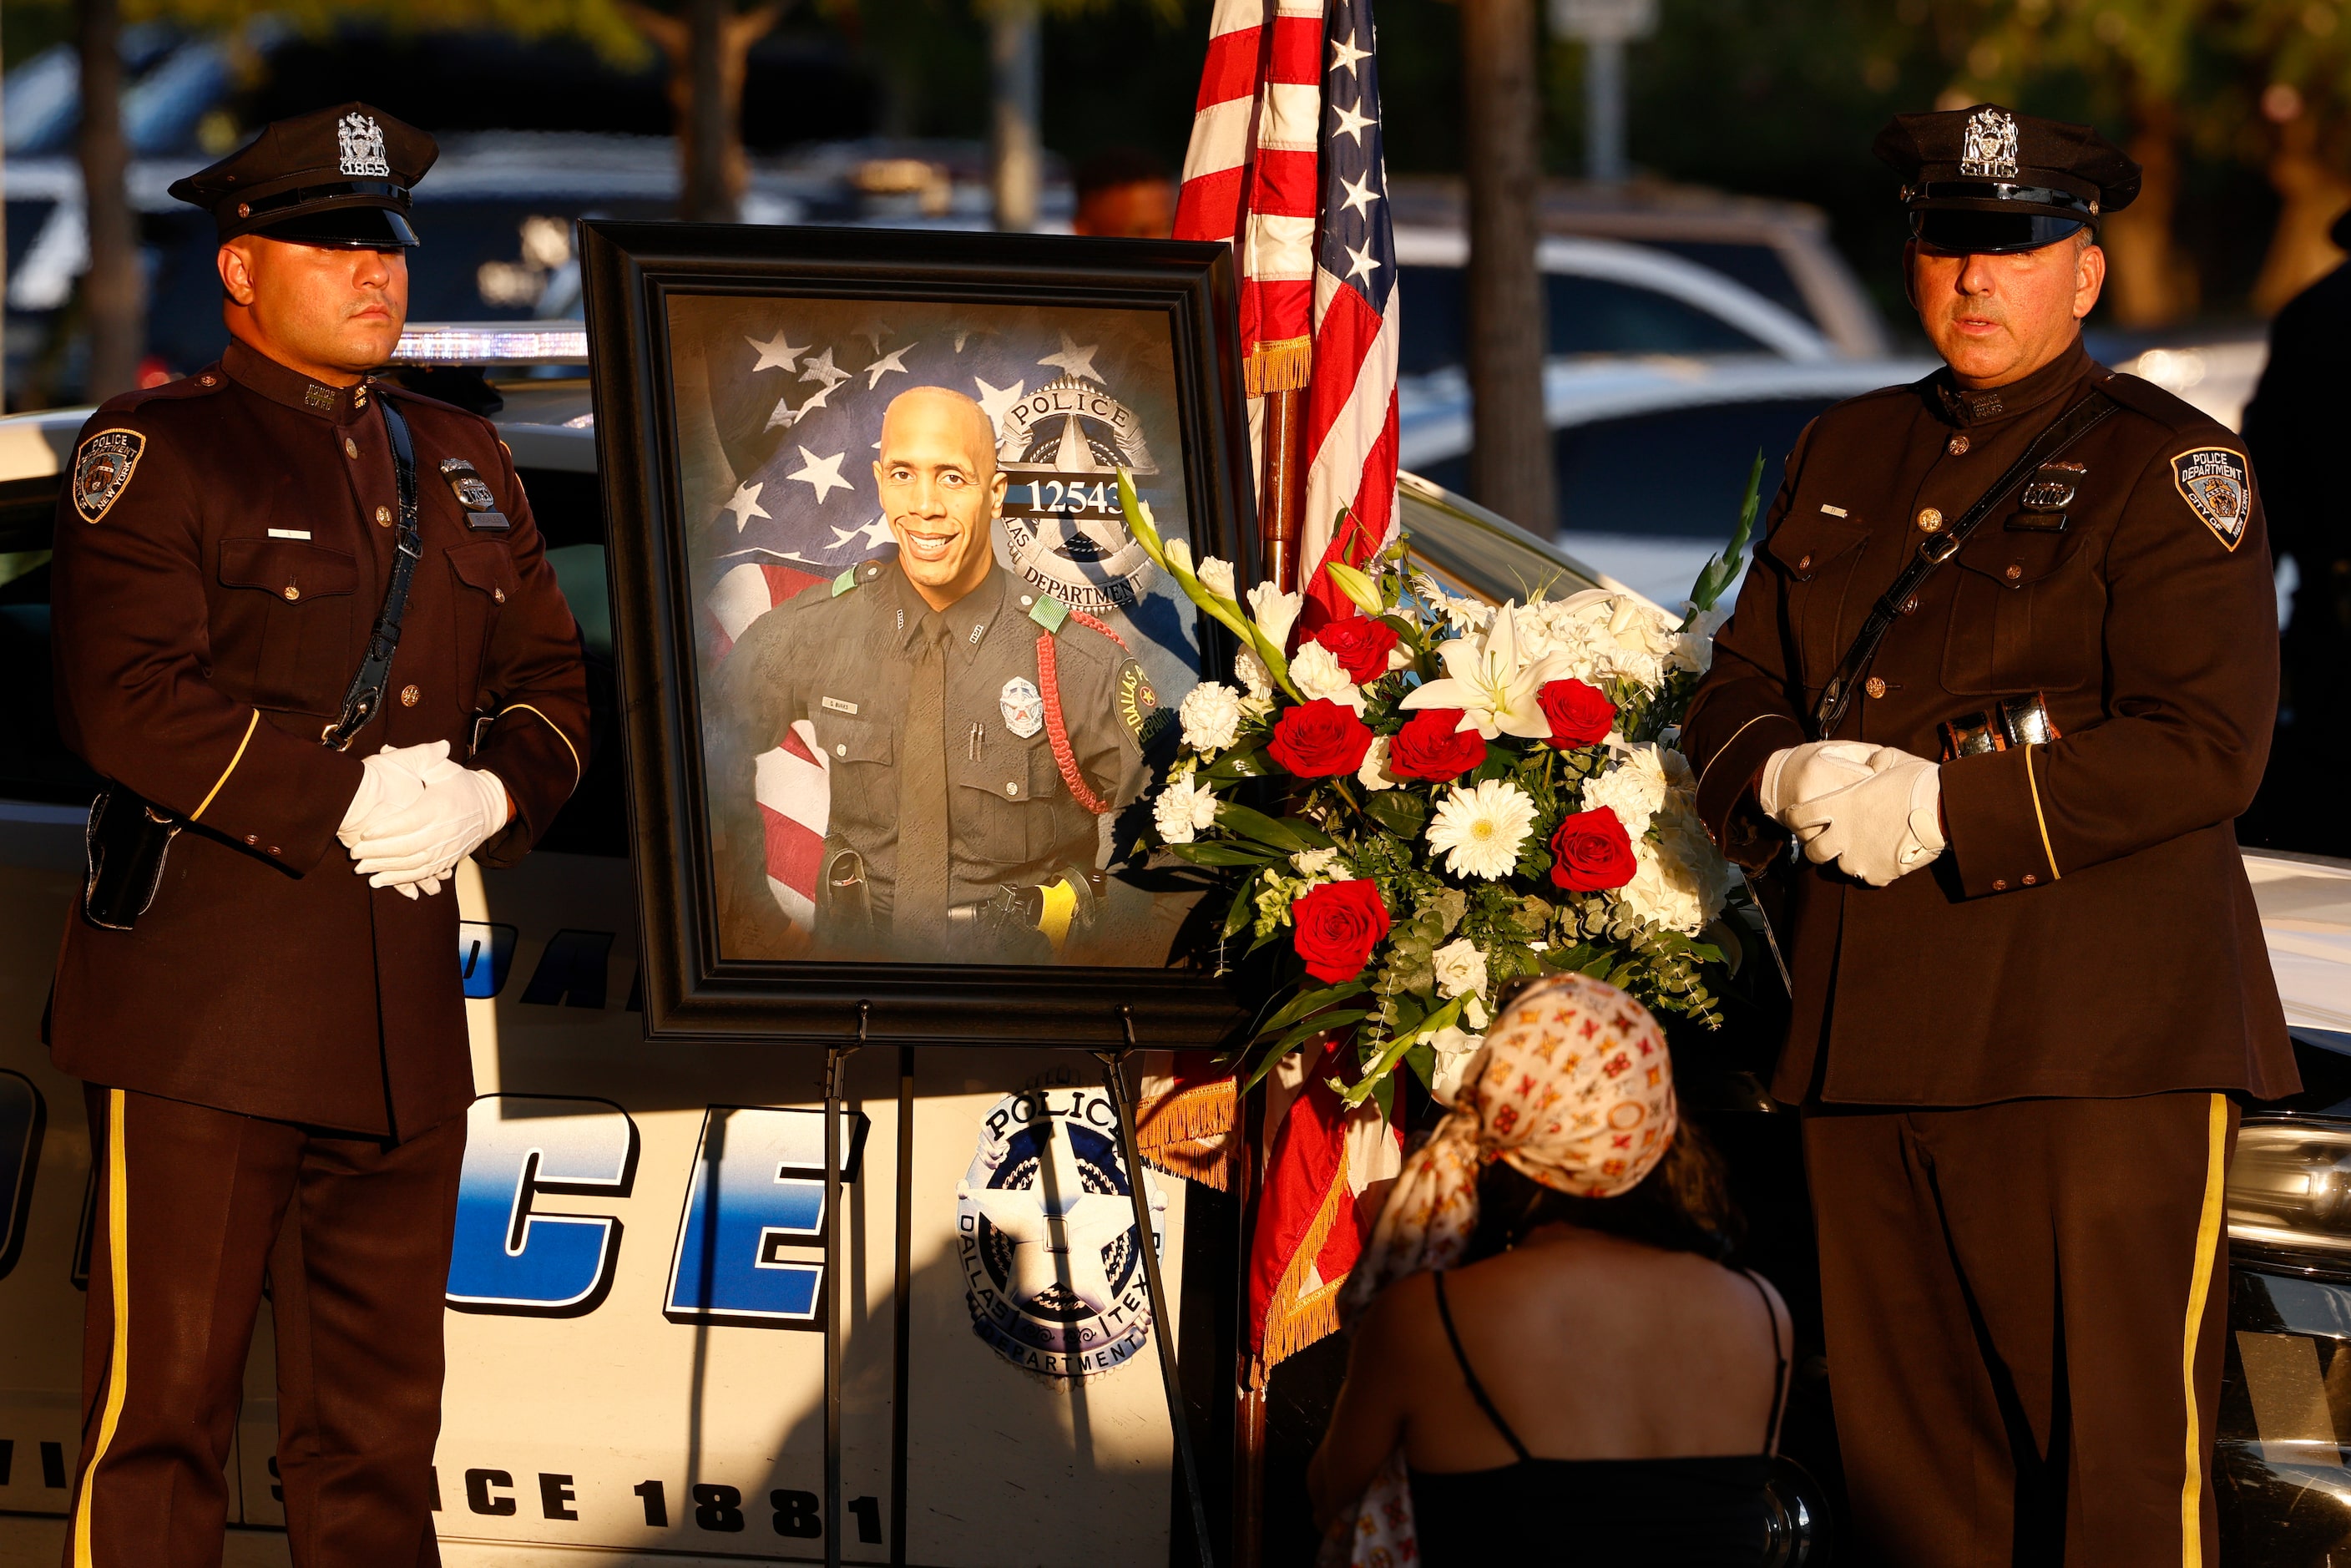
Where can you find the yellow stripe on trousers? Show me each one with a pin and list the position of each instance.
(2199, 1288)
(118, 1269)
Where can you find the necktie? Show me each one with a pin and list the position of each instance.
(920, 907)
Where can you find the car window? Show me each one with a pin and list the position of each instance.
(1584, 316)
(1678, 473)
(1760, 267)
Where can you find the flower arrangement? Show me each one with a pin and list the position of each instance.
(1466, 794)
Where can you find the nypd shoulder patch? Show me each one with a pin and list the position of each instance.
(102, 470)
(2218, 488)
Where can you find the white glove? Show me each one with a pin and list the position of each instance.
(390, 781)
(1881, 828)
(422, 844)
(1797, 774)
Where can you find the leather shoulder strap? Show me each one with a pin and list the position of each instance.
(364, 698)
(2092, 410)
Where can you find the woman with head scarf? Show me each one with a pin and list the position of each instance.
(1548, 1363)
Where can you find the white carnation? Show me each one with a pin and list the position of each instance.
(1680, 880)
(1455, 1050)
(1181, 809)
(1374, 774)
(1216, 577)
(1460, 969)
(1317, 673)
(1275, 611)
(1470, 614)
(1644, 780)
(1479, 832)
(1211, 712)
(1319, 866)
(1252, 672)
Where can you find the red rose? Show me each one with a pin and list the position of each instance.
(1338, 925)
(1360, 644)
(1430, 747)
(1317, 740)
(1591, 853)
(1580, 713)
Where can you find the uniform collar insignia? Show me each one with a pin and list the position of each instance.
(258, 373)
(1963, 407)
(967, 620)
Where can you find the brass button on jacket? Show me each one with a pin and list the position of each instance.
(410, 697)
(1930, 520)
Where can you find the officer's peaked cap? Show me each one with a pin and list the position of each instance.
(337, 177)
(1988, 179)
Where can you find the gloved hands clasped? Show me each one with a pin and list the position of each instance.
(417, 814)
(1874, 811)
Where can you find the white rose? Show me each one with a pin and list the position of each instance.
(1181, 809)
(1216, 577)
(1211, 712)
(1454, 1049)
(1374, 774)
(1275, 611)
(1460, 969)
(1317, 673)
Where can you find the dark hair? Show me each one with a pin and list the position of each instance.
(1683, 1205)
(1115, 166)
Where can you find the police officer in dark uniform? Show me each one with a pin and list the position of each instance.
(2294, 432)
(270, 1025)
(2028, 973)
(975, 730)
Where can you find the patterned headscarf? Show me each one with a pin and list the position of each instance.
(1572, 1090)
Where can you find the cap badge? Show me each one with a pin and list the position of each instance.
(2213, 481)
(362, 143)
(1023, 706)
(1990, 150)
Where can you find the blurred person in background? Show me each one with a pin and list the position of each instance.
(2006, 669)
(1554, 1366)
(1124, 193)
(2294, 428)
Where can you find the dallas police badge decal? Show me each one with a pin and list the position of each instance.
(2214, 483)
(1062, 447)
(1045, 1231)
(102, 469)
(1023, 708)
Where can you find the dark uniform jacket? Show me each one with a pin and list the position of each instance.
(839, 654)
(206, 625)
(2090, 930)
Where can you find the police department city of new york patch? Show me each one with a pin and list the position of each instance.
(2215, 484)
(1045, 1231)
(102, 469)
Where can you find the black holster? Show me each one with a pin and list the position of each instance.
(129, 840)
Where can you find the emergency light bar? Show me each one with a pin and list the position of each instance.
(493, 343)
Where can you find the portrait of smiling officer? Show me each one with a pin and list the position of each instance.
(2006, 668)
(305, 628)
(973, 729)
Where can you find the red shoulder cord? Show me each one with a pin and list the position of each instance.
(1057, 732)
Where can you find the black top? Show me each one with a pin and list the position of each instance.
(1705, 1511)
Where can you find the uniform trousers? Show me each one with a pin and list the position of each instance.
(353, 1233)
(2026, 1305)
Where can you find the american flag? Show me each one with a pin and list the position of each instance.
(1286, 163)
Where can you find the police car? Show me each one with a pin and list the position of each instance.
(639, 1263)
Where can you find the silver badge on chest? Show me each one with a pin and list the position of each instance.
(1024, 710)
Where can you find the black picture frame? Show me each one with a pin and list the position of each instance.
(629, 271)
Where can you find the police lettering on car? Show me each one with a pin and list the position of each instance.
(313, 683)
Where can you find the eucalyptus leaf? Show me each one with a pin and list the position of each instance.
(1222, 854)
(1288, 834)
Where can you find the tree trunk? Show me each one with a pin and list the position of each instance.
(1509, 451)
(2150, 284)
(709, 53)
(112, 290)
(2312, 196)
(1015, 154)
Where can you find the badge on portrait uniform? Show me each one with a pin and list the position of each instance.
(103, 468)
(1024, 709)
(2218, 488)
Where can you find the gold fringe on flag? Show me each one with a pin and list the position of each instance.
(1284, 364)
(1191, 1132)
(1297, 1317)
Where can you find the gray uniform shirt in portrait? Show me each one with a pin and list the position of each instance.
(839, 655)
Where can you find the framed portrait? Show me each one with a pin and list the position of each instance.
(895, 674)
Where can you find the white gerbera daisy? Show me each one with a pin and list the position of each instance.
(1478, 832)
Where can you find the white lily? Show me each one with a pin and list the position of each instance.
(1486, 679)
